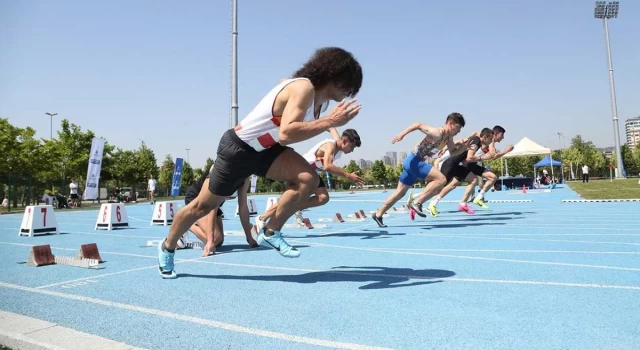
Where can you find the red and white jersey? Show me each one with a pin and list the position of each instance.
(316, 161)
(260, 128)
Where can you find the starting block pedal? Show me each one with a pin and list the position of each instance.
(112, 215)
(182, 244)
(335, 218)
(41, 255)
(89, 251)
(306, 223)
(38, 220)
(163, 213)
(361, 212)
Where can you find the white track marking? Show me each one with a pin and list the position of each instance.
(196, 320)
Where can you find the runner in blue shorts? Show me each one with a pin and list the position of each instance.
(415, 167)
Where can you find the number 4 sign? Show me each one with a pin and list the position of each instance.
(111, 216)
(38, 220)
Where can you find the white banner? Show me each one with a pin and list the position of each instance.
(254, 181)
(93, 173)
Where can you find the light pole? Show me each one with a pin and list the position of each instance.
(187, 149)
(234, 66)
(51, 126)
(561, 141)
(606, 11)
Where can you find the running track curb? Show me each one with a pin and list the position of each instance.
(448, 201)
(22, 332)
(598, 200)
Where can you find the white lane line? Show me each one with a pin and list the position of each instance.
(197, 320)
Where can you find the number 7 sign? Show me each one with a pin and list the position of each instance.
(38, 220)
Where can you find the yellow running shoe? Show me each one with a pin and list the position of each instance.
(480, 202)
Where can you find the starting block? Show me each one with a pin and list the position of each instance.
(183, 243)
(251, 204)
(112, 215)
(335, 218)
(361, 212)
(306, 223)
(38, 220)
(41, 255)
(163, 213)
(89, 251)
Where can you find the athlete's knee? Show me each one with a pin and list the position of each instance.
(439, 179)
(308, 181)
(491, 176)
(323, 198)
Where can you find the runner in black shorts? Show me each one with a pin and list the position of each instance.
(321, 157)
(289, 113)
(209, 229)
(463, 167)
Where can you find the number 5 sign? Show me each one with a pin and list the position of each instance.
(38, 220)
(164, 212)
(112, 216)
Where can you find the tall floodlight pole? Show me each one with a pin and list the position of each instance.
(187, 149)
(606, 11)
(51, 124)
(234, 66)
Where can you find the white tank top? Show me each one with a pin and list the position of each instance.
(314, 160)
(260, 128)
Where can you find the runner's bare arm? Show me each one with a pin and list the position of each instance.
(426, 129)
(471, 154)
(243, 209)
(456, 148)
(329, 149)
(335, 134)
(293, 128)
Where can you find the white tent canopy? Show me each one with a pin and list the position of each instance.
(526, 147)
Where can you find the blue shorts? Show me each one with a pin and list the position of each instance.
(414, 168)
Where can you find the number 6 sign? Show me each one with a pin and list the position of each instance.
(112, 216)
(38, 220)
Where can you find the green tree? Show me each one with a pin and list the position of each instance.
(391, 174)
(368, 176)
(197, 172)
(379, 172)
(147, 164)
(187, 177)
(166, 174)
(207, 164)
(353, 167)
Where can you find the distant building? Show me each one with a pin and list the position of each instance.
(632, 130)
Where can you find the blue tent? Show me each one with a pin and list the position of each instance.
(547, 161)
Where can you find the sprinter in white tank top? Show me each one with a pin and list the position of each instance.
(321, 157)
(289, 113)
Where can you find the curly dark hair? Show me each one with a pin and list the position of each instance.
(456, 118)
(332, 65)
(352, 136)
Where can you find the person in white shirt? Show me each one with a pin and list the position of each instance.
(321, 157)
(151, 189)
(73, 186)
(585, 173)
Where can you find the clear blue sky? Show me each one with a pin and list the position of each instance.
(159, 71)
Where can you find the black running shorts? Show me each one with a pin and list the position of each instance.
(236, 161)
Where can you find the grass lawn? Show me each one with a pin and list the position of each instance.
(607, 189)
